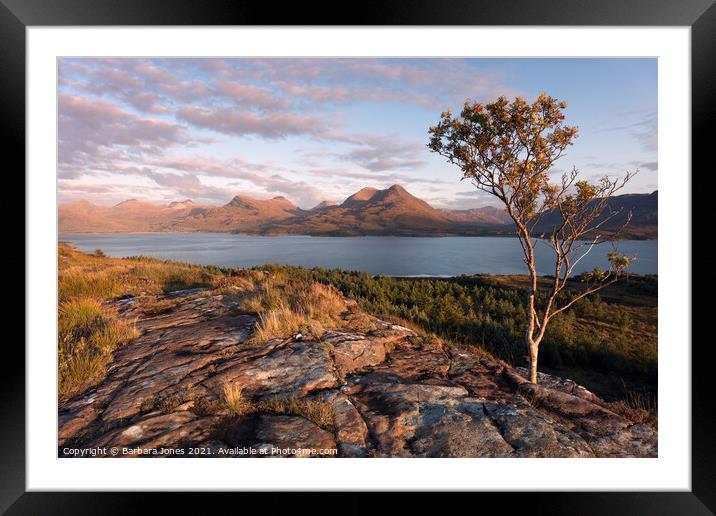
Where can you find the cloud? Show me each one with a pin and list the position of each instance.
(144, 121)
(433, 84)
(262, 178)
(645, 130)
(106, 192)
(186, 185)
(471, 193)
(378, 154)
(278, 83)
(375, 178)
(245, 123)
(249, 96)
(92, 132)
(649, 165)
(317, 93)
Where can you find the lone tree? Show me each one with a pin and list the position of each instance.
(507, 150)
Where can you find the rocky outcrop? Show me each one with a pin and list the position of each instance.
(388, 391)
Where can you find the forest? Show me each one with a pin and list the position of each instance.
(607, 342)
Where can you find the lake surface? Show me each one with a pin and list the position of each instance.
(390, 256)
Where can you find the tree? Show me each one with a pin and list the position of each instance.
(507, 149)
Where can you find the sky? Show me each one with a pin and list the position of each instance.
(320, 129)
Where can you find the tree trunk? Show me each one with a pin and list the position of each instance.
(532, 344)
(534, 350)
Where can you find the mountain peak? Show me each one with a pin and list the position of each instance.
(241, 201)
(246, 202)
(280, 200)
(181, 204)
(361, 196)
(322, 205)
(364, 194)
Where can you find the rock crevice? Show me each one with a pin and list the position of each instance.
(389, 392)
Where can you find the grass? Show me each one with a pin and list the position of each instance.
(235, 402)
(607, 343)
(87, 335)
(102, 278)
(598, 342)
(163, 405)
(640, 407)
(287, 307)
(316, 411)
(88, 330)
(204, 406)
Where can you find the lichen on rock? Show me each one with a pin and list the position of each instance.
(391, 393)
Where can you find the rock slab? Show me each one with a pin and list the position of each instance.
(389, 393)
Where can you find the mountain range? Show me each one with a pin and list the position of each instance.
(370, 211)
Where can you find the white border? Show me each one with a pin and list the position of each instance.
(672, 468)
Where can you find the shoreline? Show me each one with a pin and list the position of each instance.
(254, 235)
(436, 277)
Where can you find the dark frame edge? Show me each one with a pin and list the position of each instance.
(371, 12)
(12, 129)
(703, 410)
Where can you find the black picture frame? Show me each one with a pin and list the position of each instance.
(17, 15)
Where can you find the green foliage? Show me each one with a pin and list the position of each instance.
(507, 149)
(475, 311)
(87, 336)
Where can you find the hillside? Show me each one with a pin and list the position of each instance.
(392, 211)
(488, 215)
(644, 209)
(241, 212)
(257, 361)
(130, 215)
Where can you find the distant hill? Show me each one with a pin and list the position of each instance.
(323, 205)
(370, 211)
(485, 215)
(241, 212)
(392, 211)
(644, 209)
(127, 216)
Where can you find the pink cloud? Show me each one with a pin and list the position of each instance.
(262, 177)
(91, 132)
(270, 125)
(249, 96)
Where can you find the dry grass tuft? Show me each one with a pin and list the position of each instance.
(207, 407)
(230, 285)
(89, 331)
(87, 335)
(283, 322)
(157, 306)
(163, 405)
(318, 412)
(83, 275)
(234, 401)
(294, 307)
(639, 407)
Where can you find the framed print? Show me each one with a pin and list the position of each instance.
(434, 248)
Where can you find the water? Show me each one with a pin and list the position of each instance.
(390, 256)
